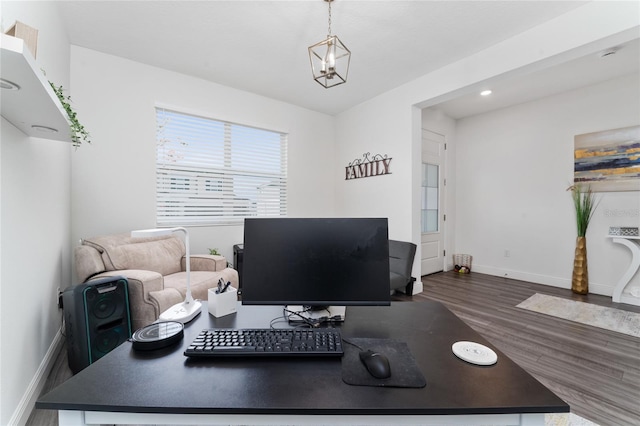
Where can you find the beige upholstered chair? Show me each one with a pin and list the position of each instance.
(155, 269)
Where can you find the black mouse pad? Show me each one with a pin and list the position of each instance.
(405, 373)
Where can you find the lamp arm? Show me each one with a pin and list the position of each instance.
(187, 310)
(189, 297)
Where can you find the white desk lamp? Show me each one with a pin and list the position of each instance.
(187, 310)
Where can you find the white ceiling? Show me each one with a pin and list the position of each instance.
(261, 46)
(580, 72)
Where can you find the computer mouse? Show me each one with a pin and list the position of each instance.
(377, 364)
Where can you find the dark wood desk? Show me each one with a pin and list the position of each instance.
(165, 387)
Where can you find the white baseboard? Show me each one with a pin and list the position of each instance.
(28, 400)
(595, 288)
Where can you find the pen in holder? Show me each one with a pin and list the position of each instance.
(223, 303)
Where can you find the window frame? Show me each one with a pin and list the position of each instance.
(219, 173)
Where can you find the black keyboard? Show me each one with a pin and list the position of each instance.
(266, 342)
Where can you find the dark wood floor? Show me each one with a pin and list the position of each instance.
(597, 372)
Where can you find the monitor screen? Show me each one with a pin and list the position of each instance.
(316, 261)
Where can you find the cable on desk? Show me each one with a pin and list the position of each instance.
(351, 343)
(310, 322)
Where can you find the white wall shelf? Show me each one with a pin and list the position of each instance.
(35, 103)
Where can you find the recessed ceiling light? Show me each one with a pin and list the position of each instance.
(44, 129)
(8, 85)
(486, 92)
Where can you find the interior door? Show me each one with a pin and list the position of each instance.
(432, 193)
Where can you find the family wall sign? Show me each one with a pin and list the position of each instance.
(363, 167)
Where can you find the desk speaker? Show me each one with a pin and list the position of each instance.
(97, 319)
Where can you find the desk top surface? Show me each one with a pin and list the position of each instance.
(165, 381)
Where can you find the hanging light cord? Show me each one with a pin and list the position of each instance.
(329, 1)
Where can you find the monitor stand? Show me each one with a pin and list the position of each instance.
(299, 313)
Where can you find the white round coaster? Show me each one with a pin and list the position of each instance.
(475, 353)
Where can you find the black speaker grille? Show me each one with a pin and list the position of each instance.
(106, 306)
(107, 341)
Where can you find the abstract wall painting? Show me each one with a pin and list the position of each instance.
(608, 161)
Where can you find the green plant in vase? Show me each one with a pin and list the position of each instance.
(585, 205)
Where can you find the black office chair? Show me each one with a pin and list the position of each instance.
(401, 256)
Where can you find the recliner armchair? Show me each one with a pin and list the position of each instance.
(401, 256)
(155, 268)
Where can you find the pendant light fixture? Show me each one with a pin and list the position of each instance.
(330, 59)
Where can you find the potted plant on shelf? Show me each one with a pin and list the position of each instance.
(585, 205)
(78, 133)
(215, 252)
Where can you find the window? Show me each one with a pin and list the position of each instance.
(213, 172)
(430, 178)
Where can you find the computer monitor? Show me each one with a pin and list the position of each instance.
(316, 262)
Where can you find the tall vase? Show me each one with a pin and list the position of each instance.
(580, 279)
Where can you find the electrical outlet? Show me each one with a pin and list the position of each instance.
(507, 253)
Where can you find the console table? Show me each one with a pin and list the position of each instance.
(165, 387)
(633, 244)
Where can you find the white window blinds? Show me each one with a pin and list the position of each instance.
(214, 172)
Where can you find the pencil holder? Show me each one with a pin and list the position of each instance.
(221, 304)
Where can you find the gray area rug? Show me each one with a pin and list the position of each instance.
(585, 313)
(566, 419)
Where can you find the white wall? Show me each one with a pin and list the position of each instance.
(35, 228)
(513, 168)
(114, 178)
(391, 122)
(375, 196)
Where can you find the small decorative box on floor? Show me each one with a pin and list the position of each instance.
(221, 304)
(462, 263)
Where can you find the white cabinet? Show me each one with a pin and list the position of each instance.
(34, 107)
